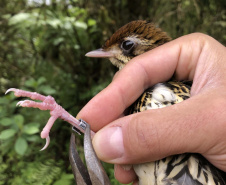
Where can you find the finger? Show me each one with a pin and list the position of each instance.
(155, 134)
(142, 72)
(124, 176)
(115, 75)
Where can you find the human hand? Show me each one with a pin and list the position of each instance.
(196, 125)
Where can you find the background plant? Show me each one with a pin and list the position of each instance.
(42, 46)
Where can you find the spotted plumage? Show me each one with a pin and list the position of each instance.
(129, 41)
(161, 95)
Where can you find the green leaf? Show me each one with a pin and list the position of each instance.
(19, 120)
(58, 40)
(6, 16)
(76, 46)
(6, 121)
(41, 80)
(32, 138)
(31, 83)
(20, 17)
(221, 23)
(91, 22)
(65, 179)
(47, 89)
(8, 133)
(31, 128)
(21, 146)
(54, 22)
(82, 25)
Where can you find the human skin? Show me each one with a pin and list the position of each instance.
(197, 125)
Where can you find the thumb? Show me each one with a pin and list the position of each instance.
(155, 134)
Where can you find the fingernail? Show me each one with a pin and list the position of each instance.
(127, 167)
(108, 144)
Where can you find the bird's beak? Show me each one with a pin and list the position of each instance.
(100, 53)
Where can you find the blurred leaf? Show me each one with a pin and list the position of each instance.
(20, 17)
(31, 83)
(76, 46)
(91, 22)
(221, 23)
(54, 23)
(32, 138)
(6, 121)
(6, 16)
(19, 120)
(79, 24)
(65, 179)
(58, 41)
(21, 146)
(41, 80)
(8, 133)
(47, 89)
(31, 128)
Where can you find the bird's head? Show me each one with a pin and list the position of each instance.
(130, 41)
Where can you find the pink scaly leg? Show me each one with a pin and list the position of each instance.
(48, 103)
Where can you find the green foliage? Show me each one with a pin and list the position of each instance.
(42, 49)
(15, 132)
(39, 174)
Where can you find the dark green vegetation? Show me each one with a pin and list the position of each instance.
(42, 48)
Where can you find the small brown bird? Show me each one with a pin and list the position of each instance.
(126, 43)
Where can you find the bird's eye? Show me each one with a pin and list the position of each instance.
(127, 45)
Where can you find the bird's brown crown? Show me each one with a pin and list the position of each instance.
(129, 41)
(142, 29)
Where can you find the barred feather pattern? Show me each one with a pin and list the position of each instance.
(184, 169)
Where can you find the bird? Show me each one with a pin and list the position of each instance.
(129, 41)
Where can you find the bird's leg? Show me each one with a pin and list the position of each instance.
(47, 103)
(94, 174)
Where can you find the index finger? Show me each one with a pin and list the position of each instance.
(157, 65)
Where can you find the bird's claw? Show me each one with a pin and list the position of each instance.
(23, 103)
(47, 103)
(47, 143)
(94, 174)
(9, 90)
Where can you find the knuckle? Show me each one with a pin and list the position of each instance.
(202, 40)
(200, 36)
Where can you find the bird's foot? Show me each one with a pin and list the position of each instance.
(47, 103)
